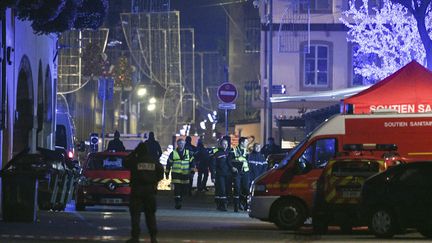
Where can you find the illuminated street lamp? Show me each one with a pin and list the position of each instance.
(151, 107)
(141, 92)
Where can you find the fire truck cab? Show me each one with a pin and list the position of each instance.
(284, 195)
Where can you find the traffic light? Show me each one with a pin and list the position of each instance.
(94, 141)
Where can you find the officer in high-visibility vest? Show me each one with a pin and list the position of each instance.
(146, 172)
(180, 164)
(241, 177)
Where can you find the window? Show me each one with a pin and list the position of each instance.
(378, 4)
(361, 60)
(252, 92)
(355, 168)
(316, 66)
(318, 154)
(61, 136)
(316, 6)
(105, 163)
(253, 35)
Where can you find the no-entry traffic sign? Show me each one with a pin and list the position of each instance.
(227, 92)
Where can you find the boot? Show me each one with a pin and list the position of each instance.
(153, 239)
(224, 206)
(178, 203)
(236, 205)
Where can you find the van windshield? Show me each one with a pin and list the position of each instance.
(61, 137)
(291, 153)
(105, 163)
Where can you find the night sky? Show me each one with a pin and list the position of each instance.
(207, 18)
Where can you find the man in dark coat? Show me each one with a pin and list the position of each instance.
(146, 172)
(221, 174)
(192, 149)
(153, 146)
(116, 144)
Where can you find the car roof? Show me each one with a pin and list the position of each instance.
(108, 153)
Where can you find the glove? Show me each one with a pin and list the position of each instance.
(167, 175)
(234, 170)
(213, 180)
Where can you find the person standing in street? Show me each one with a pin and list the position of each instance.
(222, 169)
(202, 159)
(192, 149)
(181, 163)
(146, 172)
(241, 177)
(257, 163)
(270, 148)
(116, 144)
(153, 146)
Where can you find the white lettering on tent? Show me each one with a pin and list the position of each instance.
(400, 108)
(424, 108)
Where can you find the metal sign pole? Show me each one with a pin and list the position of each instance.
(226, 122)
(103, 112)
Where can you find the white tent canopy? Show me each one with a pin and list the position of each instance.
(333, 95)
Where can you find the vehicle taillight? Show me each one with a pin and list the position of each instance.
(70, 155)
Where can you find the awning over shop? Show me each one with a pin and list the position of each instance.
(316, 100)
(409, 90)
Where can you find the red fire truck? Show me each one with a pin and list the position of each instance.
(284, 195)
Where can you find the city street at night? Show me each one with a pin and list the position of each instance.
(197, 221)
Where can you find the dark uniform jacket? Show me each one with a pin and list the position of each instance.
(116, 145)
(222, 162)
(257, 164)
(144, 168)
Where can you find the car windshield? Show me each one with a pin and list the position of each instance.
(291, 153)
(105, 163)
(355, 168)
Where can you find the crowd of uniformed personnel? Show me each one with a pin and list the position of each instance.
(232, 171)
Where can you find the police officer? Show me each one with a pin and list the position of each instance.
(192, 150)
(221, 175)
(116, 144)
(257, 163)
(146, 172)
(181, 162)
(241, 177)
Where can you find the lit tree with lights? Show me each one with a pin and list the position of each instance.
(123, 73)
(394, 35)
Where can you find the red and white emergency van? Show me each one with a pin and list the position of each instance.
(284, 195)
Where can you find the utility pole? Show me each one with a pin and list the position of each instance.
(270, 67)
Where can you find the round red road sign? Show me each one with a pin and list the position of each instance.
(227, 93)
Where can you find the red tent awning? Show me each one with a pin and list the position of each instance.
(409, 90)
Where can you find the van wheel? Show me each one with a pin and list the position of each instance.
(383, 223)
(79, 207)
(289, 214)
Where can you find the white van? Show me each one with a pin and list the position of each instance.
(65, 133)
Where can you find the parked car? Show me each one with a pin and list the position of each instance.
(338, 191)
(105, 181)
(399, 198)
